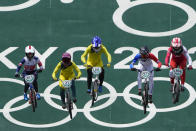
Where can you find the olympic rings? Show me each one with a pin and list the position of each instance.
(124, 5)
(183, 105)
(144, 120)
(87, 109)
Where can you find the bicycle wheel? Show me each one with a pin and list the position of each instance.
(69, 104)
(176, 93)
(145, 97)
(94, 92)
(33, 99)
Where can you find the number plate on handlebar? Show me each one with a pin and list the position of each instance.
(29, 78)
(177, 72)
(145, 74)
(67, 83)
(96, 70)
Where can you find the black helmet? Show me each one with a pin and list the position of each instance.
(144, 50)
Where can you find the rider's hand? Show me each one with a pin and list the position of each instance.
(54, 78)
(108, 65)
(166, 64)
(157, 69)
(190, 67)
(39, 70)
(77, 77)
(85, 65)
(16, 74)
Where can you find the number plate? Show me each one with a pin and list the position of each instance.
(145, 74)
(96, 70)
(67, 83)
(177, 72)
(29, 78)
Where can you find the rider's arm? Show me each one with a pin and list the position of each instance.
(77, 70)
(20, 65)
(186, 54)
(40, 64)
(135, 60)
(83, 59)
(56, 70)
(107, 54)
(154, 58)
(168, 56)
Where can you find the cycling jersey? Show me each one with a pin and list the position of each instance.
(29, 65)
(178, 57)
(66, 73)
(94, 59)
(146, 62)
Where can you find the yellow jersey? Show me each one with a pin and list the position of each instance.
(67, 73)
(94, 58)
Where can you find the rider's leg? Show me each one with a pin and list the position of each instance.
(151, 82)
(26, 86)
(139, 79)
(101, 78)
(183, 66)
(73, 90)
(35, 84)
(173, 65)
(89, 79)
(62, 94)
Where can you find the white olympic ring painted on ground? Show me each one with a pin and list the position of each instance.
(142, 121)
(24, 5)
(124, 5)
(108, 86)
(190, 100)
(7, 115)
(87, 107)
(27, 4)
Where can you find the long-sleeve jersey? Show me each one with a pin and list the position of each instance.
(66, 73)
(181, 56)
(94, 58)
(146, 61)
(29, 65)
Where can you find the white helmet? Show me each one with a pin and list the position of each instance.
(29, 50)
(176, 42)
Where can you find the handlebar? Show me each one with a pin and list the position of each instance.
(135, 69)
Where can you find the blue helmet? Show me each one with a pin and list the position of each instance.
(96, 43)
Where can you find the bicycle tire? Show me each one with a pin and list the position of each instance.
(145, 97)
(93, 95)
(96, 85)
(178, 91)
(176, 94)
(32, 99)
(69, 104)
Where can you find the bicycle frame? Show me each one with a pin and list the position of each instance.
(176, 88)
(67, 84)
(96, 71)
(29, 79)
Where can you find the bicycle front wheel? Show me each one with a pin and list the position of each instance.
(69, 104)
(33, 100)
